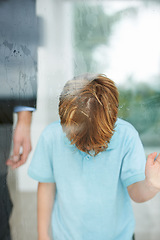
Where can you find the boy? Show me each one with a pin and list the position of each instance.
(90, 164)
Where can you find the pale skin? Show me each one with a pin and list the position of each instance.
(147, 189)
(139, 192)
(46, 195)
(21, 139)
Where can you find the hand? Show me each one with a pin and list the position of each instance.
(152, 172)
(21, 139)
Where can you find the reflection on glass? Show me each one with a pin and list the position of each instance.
(118, 38)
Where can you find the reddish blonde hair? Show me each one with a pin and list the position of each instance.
(88, 108)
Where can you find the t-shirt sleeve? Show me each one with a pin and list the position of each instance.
(41, 167)
(134, 161)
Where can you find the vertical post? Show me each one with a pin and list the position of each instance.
(55, 66)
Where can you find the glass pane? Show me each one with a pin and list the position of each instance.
(64, 38)
(121, 39)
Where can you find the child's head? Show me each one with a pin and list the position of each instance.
(88, 108)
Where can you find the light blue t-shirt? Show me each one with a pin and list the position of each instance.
(92, 201)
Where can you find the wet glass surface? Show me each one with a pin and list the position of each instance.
(47, 43)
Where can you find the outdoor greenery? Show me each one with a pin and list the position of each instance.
(141, 107)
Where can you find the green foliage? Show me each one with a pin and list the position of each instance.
(140, 107)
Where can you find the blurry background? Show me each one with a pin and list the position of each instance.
(118, 38)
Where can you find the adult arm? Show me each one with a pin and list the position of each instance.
(145, 190)
(46, 195)
(21, 139)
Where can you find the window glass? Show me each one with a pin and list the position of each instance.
(121, 39)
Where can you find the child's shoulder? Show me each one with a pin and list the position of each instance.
(52, 130)
(124, 132)
(124, 126)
